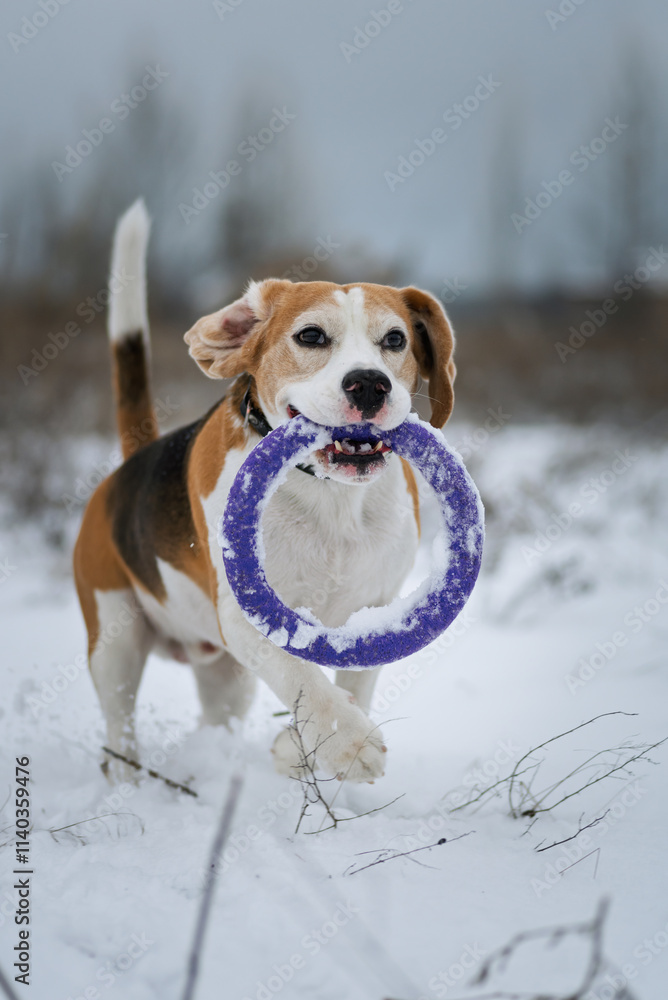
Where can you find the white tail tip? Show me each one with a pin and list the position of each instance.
(127, 281)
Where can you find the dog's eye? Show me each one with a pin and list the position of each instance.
(312, 336)
(394, 341)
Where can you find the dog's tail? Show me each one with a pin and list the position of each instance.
(128, 330)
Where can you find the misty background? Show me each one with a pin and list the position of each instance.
(510, 156)
(533, 204)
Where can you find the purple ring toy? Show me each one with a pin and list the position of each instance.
(371, 636)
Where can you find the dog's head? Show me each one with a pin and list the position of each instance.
(339, 354)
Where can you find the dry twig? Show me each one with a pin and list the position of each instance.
(207, 896)
(597, 964)
(69, 827)
(573, 836)
(389, 854)
(310, 782)
(153, 774)
(524, 802)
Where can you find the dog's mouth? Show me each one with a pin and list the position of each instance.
(351, 455)
(360, 452)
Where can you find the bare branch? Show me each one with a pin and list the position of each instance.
(596, 964)
(524, 802)
(92, 819)
(207, 896)
(577, 833)
(391, 855)
(153, 774)
(608, 774)
(347, 819)
(559, 736)
(491, 788)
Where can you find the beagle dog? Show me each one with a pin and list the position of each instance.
(340, 534)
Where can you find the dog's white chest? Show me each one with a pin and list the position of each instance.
(335, 548)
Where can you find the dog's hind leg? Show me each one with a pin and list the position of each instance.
(226, 689)
(119, 635)
(117, 660)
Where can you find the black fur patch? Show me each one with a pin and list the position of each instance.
(132, 371)
(425, 343)
(149, 506)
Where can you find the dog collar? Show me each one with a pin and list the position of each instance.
(254, 416)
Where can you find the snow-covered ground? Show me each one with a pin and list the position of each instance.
(569, 620)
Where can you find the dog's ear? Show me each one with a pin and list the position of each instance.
(223, 344)
(433, 346)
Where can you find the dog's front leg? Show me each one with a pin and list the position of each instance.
(345, 741)
(360, 684)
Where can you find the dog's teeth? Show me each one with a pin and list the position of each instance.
(337, 445)
(378, 446)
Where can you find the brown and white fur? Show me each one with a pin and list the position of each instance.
(148, 565)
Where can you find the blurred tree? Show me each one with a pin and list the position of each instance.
(264, 217)
(505, 195)
(623, 209)
(60, 230)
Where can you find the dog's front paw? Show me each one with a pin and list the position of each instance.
(288, 754)
(355, 753)
(341, 740)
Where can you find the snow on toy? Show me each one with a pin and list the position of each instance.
(371, 636)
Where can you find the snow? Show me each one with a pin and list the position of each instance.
(559, 629)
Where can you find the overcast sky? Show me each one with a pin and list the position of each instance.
(362, 99)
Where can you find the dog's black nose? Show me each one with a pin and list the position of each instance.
(366, 389)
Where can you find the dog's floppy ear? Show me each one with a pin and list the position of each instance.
(223, 343)
(433, 346)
